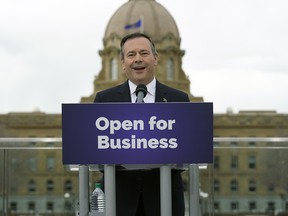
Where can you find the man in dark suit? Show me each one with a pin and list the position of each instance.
(138, 191)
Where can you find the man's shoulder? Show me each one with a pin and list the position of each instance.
(172, 94)
(170, 89)
(114, 93)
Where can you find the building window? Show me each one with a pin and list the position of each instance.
(271, 207)
(234, 185)
(216, 162)
(49, 207)
(216, 186)
(50, 163)
(234, 206)
(67, 205)
(14, 163)
(32, 144)
(31, 207)
(252, 162)
(271, 188)
(31, 186)
(13, 206)
(216, 206)
(114, 69)
(252, 186)
(32, 163)
(170, 69)
(50, 144)
(234, 162)
(50, 185)
(252, 206)
(68, 186)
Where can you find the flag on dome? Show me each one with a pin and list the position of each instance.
(137, 24)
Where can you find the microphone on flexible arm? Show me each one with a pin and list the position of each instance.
(141, 92)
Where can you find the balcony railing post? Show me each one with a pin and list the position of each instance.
(110, 190)
(165, 190)
(194, 204)
(83, 190)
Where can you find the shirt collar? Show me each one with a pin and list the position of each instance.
(151, 87)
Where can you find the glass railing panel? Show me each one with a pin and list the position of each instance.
(248, 177)
(34, 180)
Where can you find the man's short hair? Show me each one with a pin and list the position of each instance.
(136, 35)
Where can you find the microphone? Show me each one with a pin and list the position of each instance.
(141, 92)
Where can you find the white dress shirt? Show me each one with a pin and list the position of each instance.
(151, 92)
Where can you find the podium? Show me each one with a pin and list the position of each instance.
(164, 135)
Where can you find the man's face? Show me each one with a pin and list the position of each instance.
(139, 63)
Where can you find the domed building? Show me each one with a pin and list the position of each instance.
(151, 18)
(34, 181)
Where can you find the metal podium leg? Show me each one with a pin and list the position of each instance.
(194, 204)
(110, 190)
(165, 190)
(83, 190)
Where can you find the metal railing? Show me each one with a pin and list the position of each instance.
(221, 188)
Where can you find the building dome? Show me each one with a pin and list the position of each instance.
(151, 18)
(156, 21)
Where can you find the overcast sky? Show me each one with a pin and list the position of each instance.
(236, 51)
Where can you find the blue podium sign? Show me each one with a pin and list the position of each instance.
(137, 133)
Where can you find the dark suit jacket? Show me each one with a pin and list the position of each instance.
(130, 185)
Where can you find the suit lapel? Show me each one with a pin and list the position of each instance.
(124, 93)
(161, 92)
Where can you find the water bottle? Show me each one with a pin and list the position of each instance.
(97, 199)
